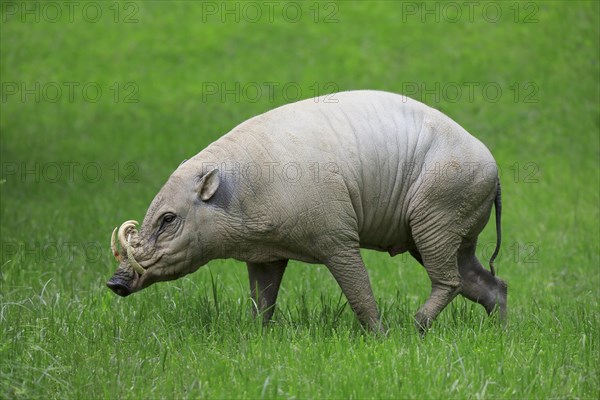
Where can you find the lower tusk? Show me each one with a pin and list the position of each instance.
(113, 245)
(136, 266)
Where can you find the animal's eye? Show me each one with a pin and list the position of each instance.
(167, 219)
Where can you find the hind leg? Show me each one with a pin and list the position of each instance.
(479, 285)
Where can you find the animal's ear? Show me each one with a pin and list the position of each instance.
(208, 185)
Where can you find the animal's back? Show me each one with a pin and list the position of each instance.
(349, 161)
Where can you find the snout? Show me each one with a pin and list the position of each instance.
(119, 286)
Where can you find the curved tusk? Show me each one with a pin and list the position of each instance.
(136, 266)
(124, 230)
(113, 245)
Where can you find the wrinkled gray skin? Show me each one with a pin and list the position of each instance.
(315, 181)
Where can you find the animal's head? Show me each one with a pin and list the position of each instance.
(179, 233)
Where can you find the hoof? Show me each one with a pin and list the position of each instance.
(422, 323)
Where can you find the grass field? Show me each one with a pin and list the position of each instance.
(102, 100)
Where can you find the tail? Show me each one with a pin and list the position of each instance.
(498, 206)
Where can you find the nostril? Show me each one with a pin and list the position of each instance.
(119, 288)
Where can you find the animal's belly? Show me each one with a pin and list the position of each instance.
(394, 240)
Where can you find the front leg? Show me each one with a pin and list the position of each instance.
(350, 273)
(265, 279)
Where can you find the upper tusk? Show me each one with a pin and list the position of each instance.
(124, 231)
(136, 266)
(113, 245)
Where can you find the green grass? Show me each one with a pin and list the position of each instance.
(64, 335)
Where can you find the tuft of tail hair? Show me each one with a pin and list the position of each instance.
(498, 207)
